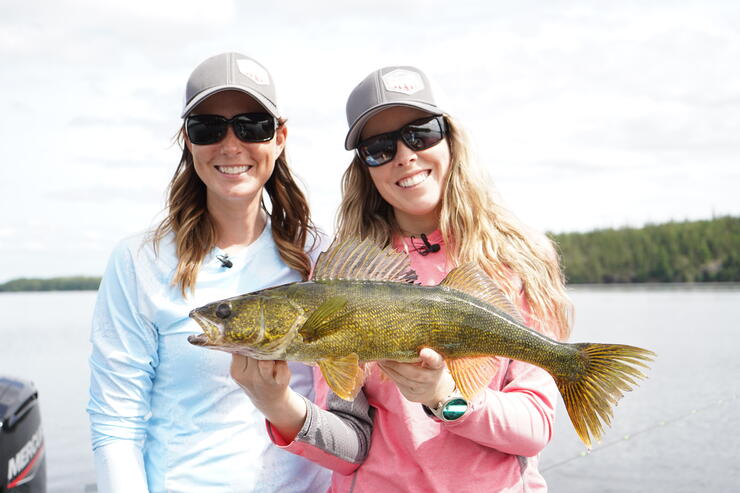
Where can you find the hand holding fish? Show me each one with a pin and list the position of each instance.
(266, 383)
(426, 381)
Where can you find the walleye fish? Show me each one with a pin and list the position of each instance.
(361, 305)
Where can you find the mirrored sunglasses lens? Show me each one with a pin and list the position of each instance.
(422, 136)
(377, 151)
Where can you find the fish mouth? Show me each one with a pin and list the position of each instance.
(205, 323)
(211, 331)
(205, 340)
(198, 340)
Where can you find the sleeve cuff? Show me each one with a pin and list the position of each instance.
(279, 440)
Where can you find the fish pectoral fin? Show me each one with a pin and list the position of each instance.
(471, 375)
(343, 375)
(318, 323)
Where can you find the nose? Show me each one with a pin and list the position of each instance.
(230, 143)
(404, 154)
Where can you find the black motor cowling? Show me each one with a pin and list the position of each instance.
(22, 456)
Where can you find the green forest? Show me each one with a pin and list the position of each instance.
(76, 283)
(689, 251)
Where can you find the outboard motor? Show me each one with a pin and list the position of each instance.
(22, 457)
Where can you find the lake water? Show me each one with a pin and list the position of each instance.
(678, 432)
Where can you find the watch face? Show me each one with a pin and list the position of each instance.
(454, 409)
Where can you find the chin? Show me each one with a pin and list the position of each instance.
(420, 211)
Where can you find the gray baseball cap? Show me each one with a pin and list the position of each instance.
(386, 87)
(230, 71)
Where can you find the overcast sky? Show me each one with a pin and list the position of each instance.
(586, 114)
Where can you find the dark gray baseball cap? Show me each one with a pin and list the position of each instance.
(230, 71)
(386, 87)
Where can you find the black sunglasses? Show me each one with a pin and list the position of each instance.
(418, 135)
(248, 127)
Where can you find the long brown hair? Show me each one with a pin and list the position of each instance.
(476, 228)
(195, 231)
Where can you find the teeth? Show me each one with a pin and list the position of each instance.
(414, 180)
(232, 170)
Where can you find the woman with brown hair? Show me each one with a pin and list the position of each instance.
(166, 416)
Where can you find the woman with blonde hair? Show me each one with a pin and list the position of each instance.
(165, 416)
(413, 184)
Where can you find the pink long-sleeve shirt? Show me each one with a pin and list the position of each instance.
(493, 447)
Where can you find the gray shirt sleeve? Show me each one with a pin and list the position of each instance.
(342, 430)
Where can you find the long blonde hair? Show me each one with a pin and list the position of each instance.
(475, 228)
(195, 231)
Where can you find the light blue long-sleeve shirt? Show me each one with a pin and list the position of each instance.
(166, 414)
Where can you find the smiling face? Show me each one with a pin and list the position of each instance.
(233, 170)
(413, 182)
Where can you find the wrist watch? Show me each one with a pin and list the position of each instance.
(451, 409)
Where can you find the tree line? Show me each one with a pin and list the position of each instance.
(689, 251)
(76, 283)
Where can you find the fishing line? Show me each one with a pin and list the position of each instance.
(630, 436)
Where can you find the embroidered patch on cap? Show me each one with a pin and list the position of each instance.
(254, 71)
(403, 81)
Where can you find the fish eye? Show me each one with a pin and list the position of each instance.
(223, 310)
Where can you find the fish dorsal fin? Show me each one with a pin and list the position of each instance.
(319, 323)
(343, 375)
(363, 260)
(471, 375)
(471, 279)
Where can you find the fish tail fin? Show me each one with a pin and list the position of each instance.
(607, 370)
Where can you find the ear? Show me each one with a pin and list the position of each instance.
(281, 135)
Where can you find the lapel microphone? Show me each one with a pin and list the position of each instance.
(427, 248)
(225, 262)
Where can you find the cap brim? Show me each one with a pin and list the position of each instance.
(353, 135)
(266, 103)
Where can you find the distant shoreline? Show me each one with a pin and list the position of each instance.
(72, 283)
(607, 286)
(647, 286)
(688, 253)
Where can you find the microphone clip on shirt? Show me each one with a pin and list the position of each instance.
(427, 248)
(225, 262)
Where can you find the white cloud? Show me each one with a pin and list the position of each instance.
(585, 115)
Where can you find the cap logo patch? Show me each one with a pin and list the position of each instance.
(403, 81)
(254, 71)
